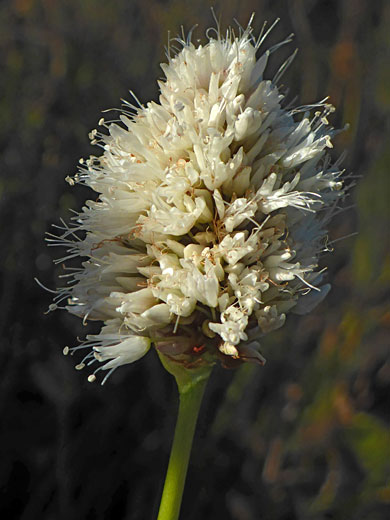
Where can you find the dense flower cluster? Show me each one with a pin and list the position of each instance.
(211, 214)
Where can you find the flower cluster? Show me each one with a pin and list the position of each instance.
(211, 214)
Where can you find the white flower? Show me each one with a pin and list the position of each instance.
(210, 216)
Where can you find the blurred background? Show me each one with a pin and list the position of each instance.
(304, 438)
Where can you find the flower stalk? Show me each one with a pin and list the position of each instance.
(191, 385)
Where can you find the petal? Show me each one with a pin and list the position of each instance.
(129, 350)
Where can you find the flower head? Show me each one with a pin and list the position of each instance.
(211, 212)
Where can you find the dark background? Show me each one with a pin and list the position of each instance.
(304, 438)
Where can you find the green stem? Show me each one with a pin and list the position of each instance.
(191, 394)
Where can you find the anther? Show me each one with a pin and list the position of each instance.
(328, 141)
